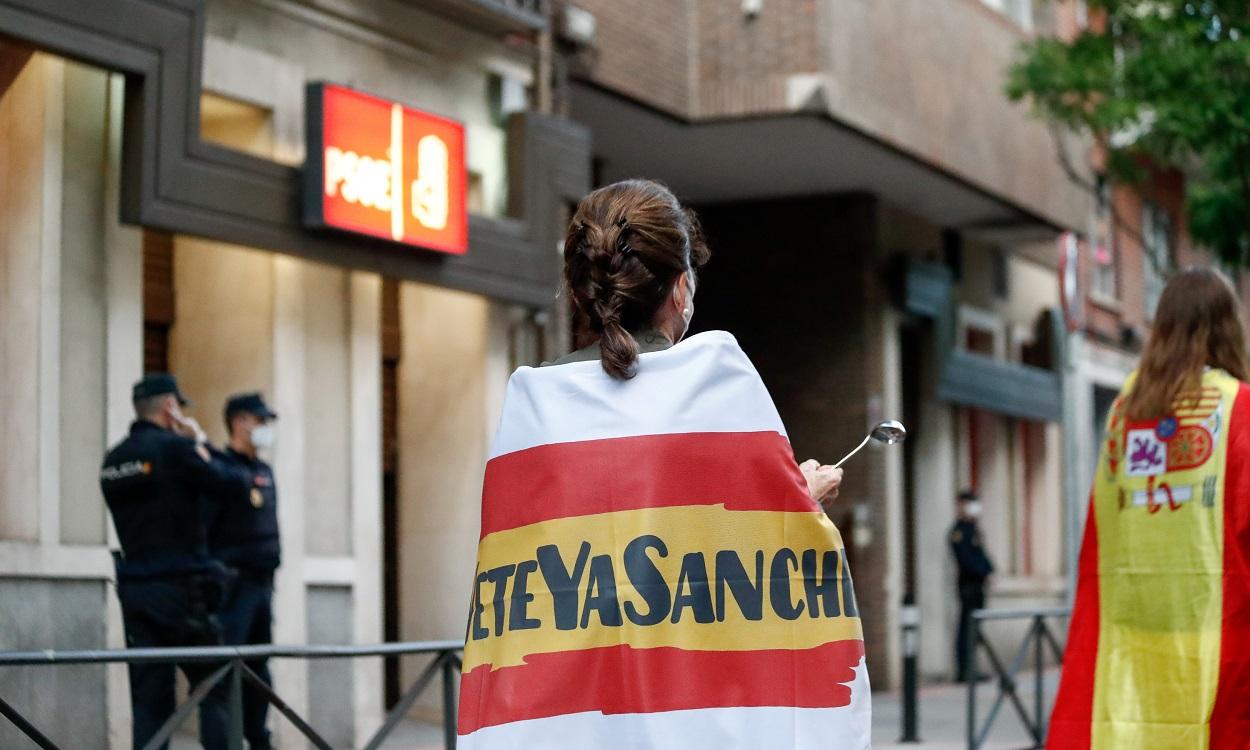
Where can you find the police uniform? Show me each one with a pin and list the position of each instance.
(244, 536)
(155, 483)
(974, 567)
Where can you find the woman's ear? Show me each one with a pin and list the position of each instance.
(681, 292)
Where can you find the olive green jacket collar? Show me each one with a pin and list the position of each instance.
(649, 341)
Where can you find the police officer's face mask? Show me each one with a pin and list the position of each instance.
(973, 509)
(262, 436)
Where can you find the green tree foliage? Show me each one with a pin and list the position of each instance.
(1162, 82)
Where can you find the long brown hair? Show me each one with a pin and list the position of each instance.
(1197, 325)
(626, 246)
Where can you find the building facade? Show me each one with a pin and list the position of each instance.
(150, 218)
(884, 226)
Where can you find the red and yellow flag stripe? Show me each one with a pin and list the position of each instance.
(1155, 656)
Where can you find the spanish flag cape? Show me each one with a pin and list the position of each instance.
(652, 572)
(1159, 647)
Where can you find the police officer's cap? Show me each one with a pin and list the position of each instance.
(157, 384)
(251, 403)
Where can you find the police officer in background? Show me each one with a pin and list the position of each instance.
(974, 570)
(244, 536)
(156, 483)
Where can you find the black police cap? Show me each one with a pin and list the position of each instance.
(157, 384)
(251, 403)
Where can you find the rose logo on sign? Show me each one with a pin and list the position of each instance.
(381, 169)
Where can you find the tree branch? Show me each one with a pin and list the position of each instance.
(1074, 175)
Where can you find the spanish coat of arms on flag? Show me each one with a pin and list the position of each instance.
(1158, 650)
(652, 572)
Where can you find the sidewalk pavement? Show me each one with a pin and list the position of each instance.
(943, 716)
(943, 720)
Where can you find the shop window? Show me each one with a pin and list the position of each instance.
(1013, 465)
(1105, 281)
(981, 331)
(237, 125)
(506, 96)
(1156, 234)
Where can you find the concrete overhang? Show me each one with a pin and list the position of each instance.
(491, 16)
(788, 154)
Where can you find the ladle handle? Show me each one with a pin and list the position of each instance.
(859, 448)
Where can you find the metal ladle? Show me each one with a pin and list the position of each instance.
(890, 431)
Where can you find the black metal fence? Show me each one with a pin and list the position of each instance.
(233, 670)
(1037, 641)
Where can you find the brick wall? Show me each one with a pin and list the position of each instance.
(643, 49)
(925, 76)
(812, 326)
(744, 63)
(1104, 319)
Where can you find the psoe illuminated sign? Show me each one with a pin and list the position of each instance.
(379, 168)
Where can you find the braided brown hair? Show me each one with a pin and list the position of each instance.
(627, 245)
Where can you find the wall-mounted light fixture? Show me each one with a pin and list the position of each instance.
(577, 25)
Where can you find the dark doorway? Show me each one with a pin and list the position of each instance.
(392, 353)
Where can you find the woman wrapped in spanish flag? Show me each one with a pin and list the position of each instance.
(655, 570)
(1158, 653)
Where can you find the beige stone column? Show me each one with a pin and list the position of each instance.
(23, 114)
(290, 675)
(123, 351)
(366, 495)
(48, 332)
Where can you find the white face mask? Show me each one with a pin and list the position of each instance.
(262, 436)
(973, 509)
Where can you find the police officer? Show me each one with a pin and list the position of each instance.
(244, 536)
(155, 483)
(974, 569)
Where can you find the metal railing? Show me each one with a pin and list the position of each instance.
(235, 672)
(1039, 636)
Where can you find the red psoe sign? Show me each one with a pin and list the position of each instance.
(378, 168)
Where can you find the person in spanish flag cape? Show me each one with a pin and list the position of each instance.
(655, 570)
(1158, 651)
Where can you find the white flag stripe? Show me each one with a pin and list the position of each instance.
(703, 384)
(847, 728)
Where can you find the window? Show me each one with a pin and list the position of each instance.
(1156, 232)
(1020, 11)
(981, 331)
(1102, 239)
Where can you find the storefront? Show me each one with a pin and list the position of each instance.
(153, 215)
